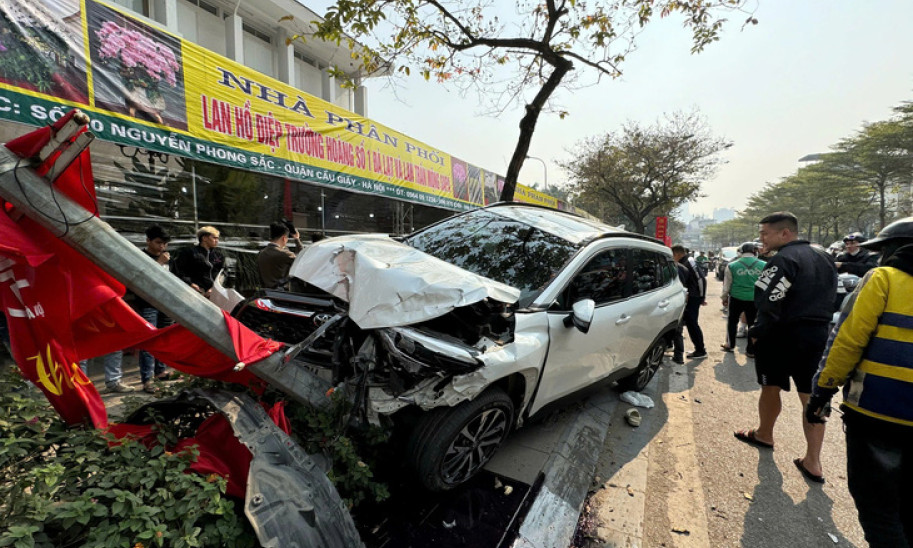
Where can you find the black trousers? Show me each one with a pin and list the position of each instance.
(692, 311)
(880, 478)
(736, 307)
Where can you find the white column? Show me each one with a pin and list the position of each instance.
(286, 58)
(327, 86)
(234, 38)
(361, 99)
(166, 13)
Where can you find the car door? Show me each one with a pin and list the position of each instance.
(576, 359)
(653, 302)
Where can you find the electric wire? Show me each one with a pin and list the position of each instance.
(63, 220)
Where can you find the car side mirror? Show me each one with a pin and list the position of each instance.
(581, 315)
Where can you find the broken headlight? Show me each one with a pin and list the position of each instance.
(415, 350)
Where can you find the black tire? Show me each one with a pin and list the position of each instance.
(450, 445)
(648, 367)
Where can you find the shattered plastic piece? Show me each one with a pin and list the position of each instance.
(638, 399)
(508, 489)
(834, 538)
(498, 483)
(630, 491)
(747, 496)
(449, 524)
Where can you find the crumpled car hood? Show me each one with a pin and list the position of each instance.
(389, 284)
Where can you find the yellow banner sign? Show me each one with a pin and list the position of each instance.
(149, 88)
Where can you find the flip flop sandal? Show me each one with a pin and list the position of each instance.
(748, 436)
(808, 475)
(633, 417)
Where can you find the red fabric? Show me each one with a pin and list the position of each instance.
(277, 413)
(220, 453)
(62, 308)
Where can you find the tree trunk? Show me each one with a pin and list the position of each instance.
(528, 126)
(882, 206)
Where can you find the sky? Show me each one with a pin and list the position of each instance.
(807, 75)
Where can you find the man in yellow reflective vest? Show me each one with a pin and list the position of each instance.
(871, 352)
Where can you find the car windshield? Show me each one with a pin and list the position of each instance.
(729, 252)
(494, 246)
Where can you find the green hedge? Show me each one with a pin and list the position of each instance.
(62, 486)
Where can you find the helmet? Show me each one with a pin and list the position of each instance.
(748, 247)
(854, 237)
(899, 229)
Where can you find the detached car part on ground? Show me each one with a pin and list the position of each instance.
(459, 332)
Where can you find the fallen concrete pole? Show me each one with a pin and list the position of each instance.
(310, 515)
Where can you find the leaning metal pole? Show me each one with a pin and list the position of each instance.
(95, 239)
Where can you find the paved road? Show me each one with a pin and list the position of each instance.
(682, 480)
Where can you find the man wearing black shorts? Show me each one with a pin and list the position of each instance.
(793, 296)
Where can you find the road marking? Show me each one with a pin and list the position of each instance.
(685, 502)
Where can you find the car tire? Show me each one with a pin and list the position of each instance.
(450, 445)
(648, 367)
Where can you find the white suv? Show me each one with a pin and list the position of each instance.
(459, 332)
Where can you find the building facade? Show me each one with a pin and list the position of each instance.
(210, 112)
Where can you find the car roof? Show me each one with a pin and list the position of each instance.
(565, 225)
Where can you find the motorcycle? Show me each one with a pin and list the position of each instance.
(846, 284)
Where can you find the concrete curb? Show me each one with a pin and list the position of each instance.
(568, 473)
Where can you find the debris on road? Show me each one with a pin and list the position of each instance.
(633, 417)
(638, 399)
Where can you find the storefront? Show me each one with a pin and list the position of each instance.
(187, 137)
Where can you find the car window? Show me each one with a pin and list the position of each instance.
(646, 270)
(497, 247)
(604, 279)
(670, 271)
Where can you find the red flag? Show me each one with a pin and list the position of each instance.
(62, 308)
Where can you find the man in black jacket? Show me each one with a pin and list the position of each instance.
(854, 259)
(199, 265)
(793, 296)
(692, 282)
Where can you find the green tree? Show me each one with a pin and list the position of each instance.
(542, 45)
(731, 232)
(879, 156)
(645, 171)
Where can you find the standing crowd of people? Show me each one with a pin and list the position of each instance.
(199, 266)
(785, 291)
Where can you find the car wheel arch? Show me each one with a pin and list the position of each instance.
(427, 454)
(665, 339)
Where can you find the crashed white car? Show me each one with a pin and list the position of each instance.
(459, 332)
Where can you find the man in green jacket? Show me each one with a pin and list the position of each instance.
(871, 353)
(738, 293)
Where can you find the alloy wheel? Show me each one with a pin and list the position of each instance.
(474, 445)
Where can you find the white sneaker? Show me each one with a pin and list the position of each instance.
(741, 333)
